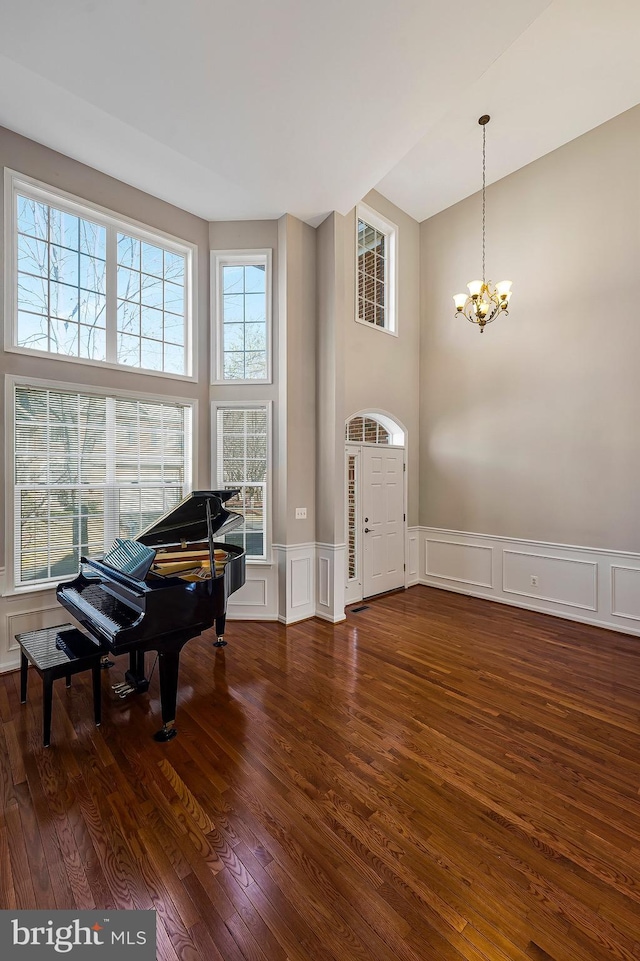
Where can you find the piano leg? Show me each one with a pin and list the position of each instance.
(169, 664)
(220, 624)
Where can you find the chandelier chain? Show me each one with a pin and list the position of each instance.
(484, 197)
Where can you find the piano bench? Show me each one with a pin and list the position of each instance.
(58, 652)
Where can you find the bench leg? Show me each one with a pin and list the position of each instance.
(24, 667)
(95, 670)
(69, 679)
(47, 699)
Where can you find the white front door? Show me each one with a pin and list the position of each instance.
(382, 533)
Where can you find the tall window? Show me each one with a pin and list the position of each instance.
(376, 270)
(89, 468)
(242, 301)
(89, 287)
(242, 462)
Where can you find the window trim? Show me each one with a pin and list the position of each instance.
(390, 230)
(228, 258)
(267, 405)
(14, 183)
(12, 381)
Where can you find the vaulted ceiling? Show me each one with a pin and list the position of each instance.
(253, 109)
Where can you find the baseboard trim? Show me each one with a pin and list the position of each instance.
(565, 615)
(332, 619)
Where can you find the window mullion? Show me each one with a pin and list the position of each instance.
(111, 292)
(111, 526)
(187, 452)
(245, 473)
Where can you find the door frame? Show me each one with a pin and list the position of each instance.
(354, 587)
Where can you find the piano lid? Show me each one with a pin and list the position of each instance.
(187, 521)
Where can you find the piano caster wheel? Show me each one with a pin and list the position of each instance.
(220, 642)
(166, 733)
(105, 664)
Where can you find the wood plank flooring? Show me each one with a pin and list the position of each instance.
(437, 779)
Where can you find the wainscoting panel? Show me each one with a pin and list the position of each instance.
(253, 593)
(331, 580)
(324, 582)
(296, 571)
(459, 562)
(257, 599)
(412, 559)
(579, 583)
(34, 621)
(301, 582)
(625, 592)
(560, 580)
(26, 612)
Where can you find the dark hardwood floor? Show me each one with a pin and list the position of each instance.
(437, 778)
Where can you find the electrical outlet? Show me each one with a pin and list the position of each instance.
(301, 513)
(534, 580)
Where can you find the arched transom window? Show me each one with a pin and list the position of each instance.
(366, 430)
(373, 427)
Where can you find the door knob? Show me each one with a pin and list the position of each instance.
(368, 530)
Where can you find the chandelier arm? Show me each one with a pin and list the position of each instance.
(492, 315)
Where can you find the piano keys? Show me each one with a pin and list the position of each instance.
(160, 590)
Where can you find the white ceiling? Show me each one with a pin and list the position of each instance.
(251, 109)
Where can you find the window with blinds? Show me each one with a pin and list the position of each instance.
(89, 468)
(242, 456)
(376, 267)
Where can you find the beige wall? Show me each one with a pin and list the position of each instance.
(298, 386)
(360, 367)
(530, 430)
(331, 364)
(382, 371)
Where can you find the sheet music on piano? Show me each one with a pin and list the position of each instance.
(130, 557)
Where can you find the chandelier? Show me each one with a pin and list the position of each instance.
(484, 302)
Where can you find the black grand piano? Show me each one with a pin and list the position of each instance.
(158, 591)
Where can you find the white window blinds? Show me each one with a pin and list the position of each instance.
(89, 468)
(242, 462)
